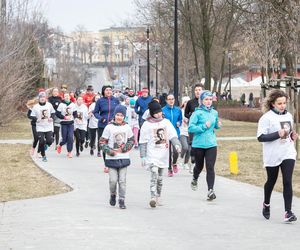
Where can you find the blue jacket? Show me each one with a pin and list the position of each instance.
(204, 137)
(174, 115)
(141, 105)
(104, 110)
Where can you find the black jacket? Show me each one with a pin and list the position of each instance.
(190, 107)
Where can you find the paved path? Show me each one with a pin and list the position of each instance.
(83, 219)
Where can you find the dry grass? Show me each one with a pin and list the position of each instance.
(236, 128)
(20, 178)
(250, 164)
(19, 129)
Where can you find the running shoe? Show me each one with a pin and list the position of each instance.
(122, 204)
(69, 155)
(106, 170)
(194, 184)
(44, 159)
(86, 145)
(91, 152)
(112, 200)
(77, 154)
(81, 148)
(289, 216)
(175, 168)
(99, 154)
(158, 201)
(266, 211)
(211, 195)
(32, 151)
(152, 202)
(59, 147)
(170, 173)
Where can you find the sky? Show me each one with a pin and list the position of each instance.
(92, 14)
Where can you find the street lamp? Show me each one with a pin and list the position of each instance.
(229, 68)
(148, 57)
(156, 69)
(176, 53)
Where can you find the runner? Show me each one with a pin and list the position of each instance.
(43, 114)
(156, 135)
(66, 112)
(117, 141)
(80, 124)
(275, 131)
(202, 124)
(30, 105)
(174, 115)
(93, 125)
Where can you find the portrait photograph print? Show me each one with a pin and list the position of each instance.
(160, 136)
(287, 126)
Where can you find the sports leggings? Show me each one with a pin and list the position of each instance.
(80, 138)
(210, 155)
(287, 168)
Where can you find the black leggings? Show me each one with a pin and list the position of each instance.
(210, 155)
(79, 138)
(287, 168)
(35, 136)
(92, 135)
(45, 138)
(173, 156)
(56, 134)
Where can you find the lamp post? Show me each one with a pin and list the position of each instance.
(229, 73)
(148, 57)
(176, 53)
(156, 69)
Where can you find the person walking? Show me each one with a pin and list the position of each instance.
(116, 141)
(174, 115)
(275, 131)
(43, 114)
(156, 135)
(184, 137)
(93, 126)
(202, 124)
(55, 100)
(104, 112)
(80, 124)
(67, 113)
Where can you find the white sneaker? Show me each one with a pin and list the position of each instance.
(158, 201)
(211, 195)
(191, 169)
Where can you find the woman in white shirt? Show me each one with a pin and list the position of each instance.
(278, 149)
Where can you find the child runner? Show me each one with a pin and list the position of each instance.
(30, 105)
(156, 134)
(202, 124)
(116, 141)
(278, 149)
(43, 114)
(184, 137)
(66, 112)
(80, 125)
(93, 125)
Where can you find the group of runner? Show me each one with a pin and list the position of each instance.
(162, 131)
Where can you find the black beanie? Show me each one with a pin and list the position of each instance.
(104, 88)
(154, 108)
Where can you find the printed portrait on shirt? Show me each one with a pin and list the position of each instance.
(287, 126)
(119, 140)
(68, 111)
(45, 114)
(160, 136)
(80, 115)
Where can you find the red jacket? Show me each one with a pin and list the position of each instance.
(88, 98)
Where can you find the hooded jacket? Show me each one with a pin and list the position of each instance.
(104, 110)
(204, 137)
(174, 115)
(141, 105)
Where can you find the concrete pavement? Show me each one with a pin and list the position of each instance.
(83, 218)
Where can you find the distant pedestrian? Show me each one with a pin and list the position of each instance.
(116, 141)
(43, 114)
(279, 152)
(251, 100)
(202, 124)
(156, 135)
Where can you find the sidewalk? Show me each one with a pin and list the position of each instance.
(83, 218)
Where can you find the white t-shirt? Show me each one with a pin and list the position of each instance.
(93, 121)
(184, 125)
(67, 110)
(157, 135)
(146, 114)
(43, 113)
(117, 136)
(275, 152)
(82, 116)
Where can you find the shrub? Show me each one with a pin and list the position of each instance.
(240, 114)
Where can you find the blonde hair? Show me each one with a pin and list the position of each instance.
(273, 95)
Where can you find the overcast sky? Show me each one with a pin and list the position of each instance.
(92, 14)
